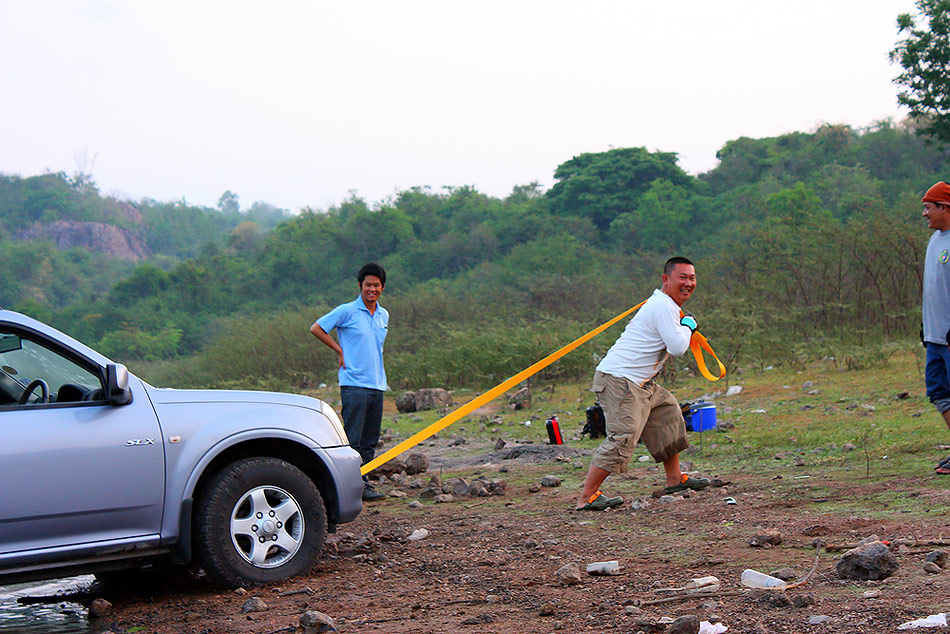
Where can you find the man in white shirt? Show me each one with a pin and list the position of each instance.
(636, 408)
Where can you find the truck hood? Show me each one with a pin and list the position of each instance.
(171, 395)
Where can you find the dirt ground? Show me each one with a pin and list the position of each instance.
(489, 564)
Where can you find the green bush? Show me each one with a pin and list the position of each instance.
(270, 346)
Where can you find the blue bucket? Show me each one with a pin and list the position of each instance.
(702, 417)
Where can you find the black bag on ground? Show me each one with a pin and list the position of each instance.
(596, 426)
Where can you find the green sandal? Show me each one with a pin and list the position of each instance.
(600, 502)
(696, 484)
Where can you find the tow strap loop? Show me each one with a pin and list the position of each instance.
(697, 344)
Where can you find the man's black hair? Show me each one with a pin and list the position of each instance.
(371, 269)
(672, 262)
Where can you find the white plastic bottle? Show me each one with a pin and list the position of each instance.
(755, 579)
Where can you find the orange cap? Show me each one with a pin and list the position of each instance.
(939, 193)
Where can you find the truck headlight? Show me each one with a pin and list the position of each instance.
(335, 422)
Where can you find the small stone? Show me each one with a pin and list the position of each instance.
(771, 598)
(100, 608)
(550, 481)
(242, 591)
(849, 446)
(418, 535)
(932, 568)
(534, 487)
(479, 620)
(639, 504)
(871, 594)
(314, 622)
(785, 574)
(604, 568)
(477, 489)
(938, 557)
(547, 610)
(648, 626)
(396, 493)
(497, 486)
(429, 493)
(804, 600)
(769, 538)
(500, 444)
(443, 498)
(415, 504)
(254, 604)
(818, 619)
(667, 499)
(568, 574)
(688, 624)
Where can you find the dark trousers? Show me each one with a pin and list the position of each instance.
(937, 375)
(362, 418)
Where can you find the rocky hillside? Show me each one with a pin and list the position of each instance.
(92, 236)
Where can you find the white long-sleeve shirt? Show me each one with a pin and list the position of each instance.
(652, 335)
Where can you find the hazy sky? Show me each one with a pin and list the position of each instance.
(298, 102)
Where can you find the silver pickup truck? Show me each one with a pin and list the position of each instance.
(101, 471)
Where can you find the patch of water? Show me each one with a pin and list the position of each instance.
(41, 618)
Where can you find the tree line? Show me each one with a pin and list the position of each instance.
(806, 244)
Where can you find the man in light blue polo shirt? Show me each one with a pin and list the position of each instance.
(361, 327)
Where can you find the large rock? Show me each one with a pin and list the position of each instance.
(91, 236)
(455, 486)
(867, 562)
(432, 398)
(392, 467)
(425, 399)
(416, 463)
(406, 402)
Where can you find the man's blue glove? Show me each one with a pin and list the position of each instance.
(689, 322)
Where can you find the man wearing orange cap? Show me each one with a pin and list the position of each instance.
(936, 304)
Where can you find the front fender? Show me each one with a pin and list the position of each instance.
(198, 433)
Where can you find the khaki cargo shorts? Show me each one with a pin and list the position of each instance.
(633, 412)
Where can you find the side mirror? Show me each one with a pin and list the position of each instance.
(117, 384)
(9, 342)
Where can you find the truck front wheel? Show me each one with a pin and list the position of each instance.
(259, 520)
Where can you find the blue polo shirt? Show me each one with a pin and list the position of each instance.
(362, 335)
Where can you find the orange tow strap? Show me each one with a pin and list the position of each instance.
(697, 344)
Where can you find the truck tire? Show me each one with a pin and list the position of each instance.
(259, 520)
